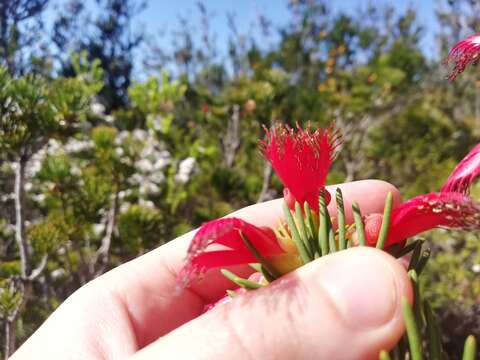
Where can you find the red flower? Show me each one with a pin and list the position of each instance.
(425, 212)
(464, 53)
(464, 173)
(451, 207)
(218, 243)
(301, 159)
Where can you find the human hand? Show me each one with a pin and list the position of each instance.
(342, 306)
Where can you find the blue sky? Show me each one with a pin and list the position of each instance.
(161, 16)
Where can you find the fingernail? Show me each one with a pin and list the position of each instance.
(362, 287)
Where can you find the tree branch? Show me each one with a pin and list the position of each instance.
(19, 217)
(231, 140)
(267, 175)
(103, 251)
(39, 269)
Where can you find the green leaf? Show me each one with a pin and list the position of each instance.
(433, 333)
(413, 333)
(312, 231)
(244, 283)
(470, 349)
(331, 240)
(341, 220)
(232, 293)
(407, 248)
(417, 299)
(382, 236)
(384, 355)
(265, 266)
(357, 215)
(302, 250)
(417, 250)
(302, 230)
(422, 262)
(323, 227)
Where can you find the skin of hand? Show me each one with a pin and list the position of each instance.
(341, 306)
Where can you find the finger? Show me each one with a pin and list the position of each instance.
(353, 296)
(370, 194)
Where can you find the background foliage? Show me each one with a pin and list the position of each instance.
(97, 168)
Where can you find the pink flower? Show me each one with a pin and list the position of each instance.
(219, 243)
(464, 173)
(302, 160)
(450, 208)
(464, 53)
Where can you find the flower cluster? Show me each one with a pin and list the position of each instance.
(464, 53)
(450, 208)
(301, 159)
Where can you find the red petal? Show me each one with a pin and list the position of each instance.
(301, 158)
(464, 53)
(226, 233)
(425, 212)
(464, 174)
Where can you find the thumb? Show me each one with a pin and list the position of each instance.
(342, 306)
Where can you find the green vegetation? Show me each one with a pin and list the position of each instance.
(96, 169)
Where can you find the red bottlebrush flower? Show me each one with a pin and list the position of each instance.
(464, 53)
(218, 243)
(302, 159)
(464, 173)
(425, 212)
(450, 208)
